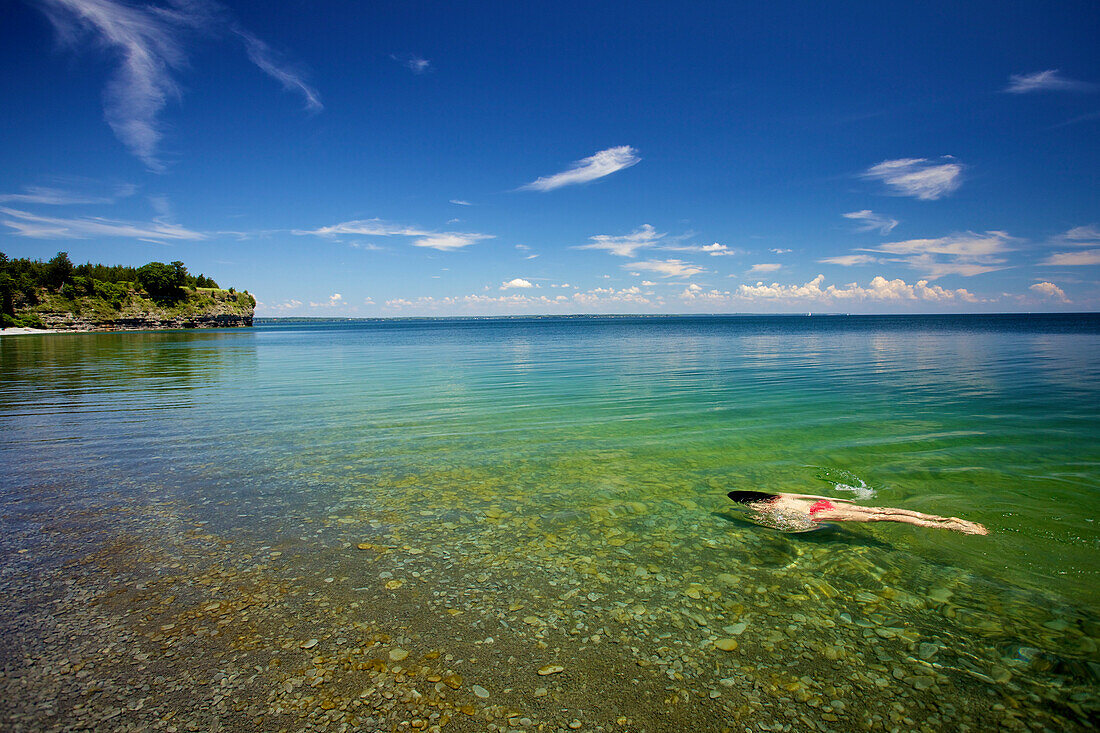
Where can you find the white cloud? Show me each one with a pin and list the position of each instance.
(366, 227)
(964, 254)
(460, 202)
(47, 227)
(414, 63)
(603, 163)
(714, 250)
(667, 268)
(879, 289)
(627, 244)
(872, 222)
(334, 300)
(1049, 290)
(1045, 81)
(449, 241)
(851, 260)
(764, 267)
(293, 80)
(780, 251)
(444, 241)
(517, 282)
(57, 197)
(718, 250)
(917, 177)
(146, 42)
(648, 283)
(1080, 257)
(1089, 233)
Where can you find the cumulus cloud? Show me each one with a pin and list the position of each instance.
(713, 250)
(27, 224)
(764, 267)
(667, 268)
(1045, 81)
(147, 42)
(780, 250)
(1049, 290)
(879, 289)
(850, 260)
(603, 163)
(625, 245)
(333, 301)
(517, 282)
(964, 254)
(872, 222)
(718, 250)
(918, 177)
(286, 305)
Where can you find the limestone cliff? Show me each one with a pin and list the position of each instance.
(200, 308)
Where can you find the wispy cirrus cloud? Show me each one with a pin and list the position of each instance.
(413, 62)
(460, 202)
(1050, 80)
(918, 177)
(603, 163)
(27, 224)
(872, 222)
(147, 42)
(666, 268)
(625, 245)
(48, 196)
(1073, 259)
(851, 260)
(965, 254)
(292, 79)
(448, 241)
(764, 267)
(443, 241)
(712, 250)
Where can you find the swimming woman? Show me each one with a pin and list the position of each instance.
(805, 510)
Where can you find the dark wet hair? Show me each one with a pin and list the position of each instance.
(747, 497)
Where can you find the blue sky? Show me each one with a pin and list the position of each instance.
(423, 158)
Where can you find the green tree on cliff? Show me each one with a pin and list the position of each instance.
(164, 283)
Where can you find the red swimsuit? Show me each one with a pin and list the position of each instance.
(821, 505)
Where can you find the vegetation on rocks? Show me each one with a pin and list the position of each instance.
(58, 293)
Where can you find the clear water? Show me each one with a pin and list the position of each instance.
(496, 464)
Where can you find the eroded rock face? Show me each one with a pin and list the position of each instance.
(147, 322)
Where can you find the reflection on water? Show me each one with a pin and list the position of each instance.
(558, 486)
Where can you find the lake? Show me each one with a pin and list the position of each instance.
(522, 524)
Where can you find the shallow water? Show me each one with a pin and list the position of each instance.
(515, 493)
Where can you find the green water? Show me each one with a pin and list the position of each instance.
(557, 486)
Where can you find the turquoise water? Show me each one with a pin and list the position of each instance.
(558, 485)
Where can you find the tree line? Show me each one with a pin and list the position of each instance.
(21, 280)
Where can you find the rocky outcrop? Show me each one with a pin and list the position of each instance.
(145, 322)
(197, 308)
